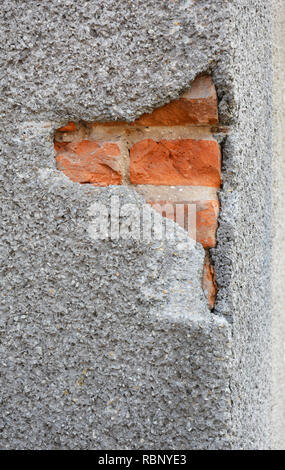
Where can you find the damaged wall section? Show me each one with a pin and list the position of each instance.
(169, 156)
(87, 356)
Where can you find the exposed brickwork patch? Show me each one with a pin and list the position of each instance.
(172, 147)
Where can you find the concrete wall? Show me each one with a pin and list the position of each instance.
(278, 194)
(107, 344)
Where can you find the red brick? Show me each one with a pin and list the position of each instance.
(90, 162)
(206, 219)
(70, 127)
(207, 222)
(176, 162)
(197, 106)
(208, 282)
(59, 146)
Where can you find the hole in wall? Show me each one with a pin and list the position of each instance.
(170, 156)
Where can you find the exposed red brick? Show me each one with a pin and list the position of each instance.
(176, 162)
(58, 146)
(197, 106)
(208, 282)
(90, 162)
(206, 218)
(207, 222)
(181, 162)
(70, 127)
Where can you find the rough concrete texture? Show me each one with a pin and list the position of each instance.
(105, 60)
(242, 256)
(89, 358)
(278, 258)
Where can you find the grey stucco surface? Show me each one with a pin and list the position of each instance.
(89, 358)
(278, 258)
(105, 60)
(243, 254)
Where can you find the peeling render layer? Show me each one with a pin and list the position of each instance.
(153, 378)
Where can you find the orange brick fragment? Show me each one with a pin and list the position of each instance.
(197, 106)
(70, 127)
(176, 162)
(208, 282)
(206, 218)
(90, 162)
(207, 222)
(59, 146)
